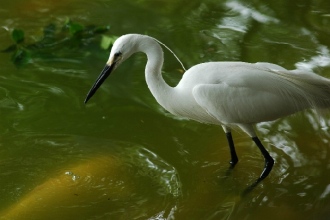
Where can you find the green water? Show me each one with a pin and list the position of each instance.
(141, 162)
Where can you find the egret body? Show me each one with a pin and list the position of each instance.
(224, 93)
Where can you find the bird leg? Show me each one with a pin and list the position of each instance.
(234, 158)
(269, 162)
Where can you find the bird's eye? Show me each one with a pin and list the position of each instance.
(118, 54)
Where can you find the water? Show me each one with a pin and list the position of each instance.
(124, 157)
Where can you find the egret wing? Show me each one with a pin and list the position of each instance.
(242, 104)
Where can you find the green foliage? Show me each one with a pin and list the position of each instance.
(73, 28)
(107, 41)
(21, 57)
(18, 36)
(72, 36)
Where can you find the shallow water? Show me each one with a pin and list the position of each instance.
(122, 156)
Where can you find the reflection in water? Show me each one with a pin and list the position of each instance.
(247, 12)
(326, 192)
(300, 162)
(287, 146)
(125, 178)
(44, 100)
(320, 60)
(152, 166)
(57, 70)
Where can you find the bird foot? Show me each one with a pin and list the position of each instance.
(269, 162)
(233, 163)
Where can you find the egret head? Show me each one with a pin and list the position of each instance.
(122, 49)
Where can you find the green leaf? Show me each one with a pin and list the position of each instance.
(74, 28)
(49, 31)
(101, 29)
(48, 40)
(21, 57)
(107, 41)
(18, 36)
(55, 43)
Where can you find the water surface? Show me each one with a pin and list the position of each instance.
(122, 156)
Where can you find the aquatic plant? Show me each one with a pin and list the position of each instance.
(55, 41)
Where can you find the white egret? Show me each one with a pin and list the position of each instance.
(224, 93)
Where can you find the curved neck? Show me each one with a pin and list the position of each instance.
(157, 85)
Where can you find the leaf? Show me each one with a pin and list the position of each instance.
(101, 29)
(21, 57)
(49, 31)
(58, 43)
(107, 41)
(48, 40)
(18, 36)
(74, 28)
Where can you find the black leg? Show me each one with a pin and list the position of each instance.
(234, 158)
(269, 162)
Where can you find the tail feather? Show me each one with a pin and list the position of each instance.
(314, 89)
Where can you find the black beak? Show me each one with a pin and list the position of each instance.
(102, 77)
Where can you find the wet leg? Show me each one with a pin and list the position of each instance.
(234, 158)
(269, 162)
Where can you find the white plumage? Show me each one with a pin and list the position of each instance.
(225, 93)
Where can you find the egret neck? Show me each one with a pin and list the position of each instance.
(162, 92)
